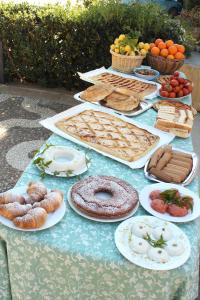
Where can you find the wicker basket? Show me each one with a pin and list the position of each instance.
(164, 65)
(125, 63)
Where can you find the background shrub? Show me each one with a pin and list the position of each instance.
(48, 45)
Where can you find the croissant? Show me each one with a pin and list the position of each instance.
(15, 209)
(52, 201)
(9, 197)
(36, 191)
(35, 218)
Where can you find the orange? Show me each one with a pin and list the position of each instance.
(172, 50)
(158, 41)
(152, 45)
(170, 56)
(162, 45)
(164, 52)
(155, 51)
(181, 48)
(179, 55)
(169, 43)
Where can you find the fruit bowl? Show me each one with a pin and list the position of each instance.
(165, 66)
(125, 63)
(175, 88)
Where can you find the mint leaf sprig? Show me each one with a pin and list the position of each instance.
(161, 243)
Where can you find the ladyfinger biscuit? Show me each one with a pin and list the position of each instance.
(164, 160)
(177, 162)
(155, 158)
(173, 171)
(176, 177)
(168, 148)
(178, 153)
(182, 169)
(182, 158)
(161, 175)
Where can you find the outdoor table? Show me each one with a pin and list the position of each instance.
(78, 259)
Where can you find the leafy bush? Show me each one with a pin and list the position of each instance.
(50, 44)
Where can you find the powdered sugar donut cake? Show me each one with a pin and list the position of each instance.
(152, 243)
(85, 196)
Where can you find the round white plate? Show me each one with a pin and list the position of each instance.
(145, 202)
(178, 99)
(99, 219)
(123, 236)
(52, 219)
(63, 174)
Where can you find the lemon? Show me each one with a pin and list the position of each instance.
(141, 45)
(122, 37)
(146, 46)
(143, 52)
(132, 53)
(127, 48)
(116, 50)
(112, 47)
(122, 50)
(116, 42)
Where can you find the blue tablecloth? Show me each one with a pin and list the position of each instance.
(78, 259)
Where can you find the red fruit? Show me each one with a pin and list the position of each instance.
(169, 88)
(176, 74)
(181, 86)
(187, 202)
(172, 95)
(164, 94)
(189, 87)
(185, 92)
(176, 210)
(176, 89)
(181, 80)
(154, 195)
(174, 82)
(180, 93)
(159, 205)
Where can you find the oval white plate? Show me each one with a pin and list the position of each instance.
(145, 202)
(123, 234)
(99, 219)
(63, 174)
(52, 219)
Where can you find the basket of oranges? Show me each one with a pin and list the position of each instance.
(127, 53)
(166, 57)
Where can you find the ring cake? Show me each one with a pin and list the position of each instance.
(124, 197)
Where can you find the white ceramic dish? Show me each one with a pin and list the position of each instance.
(123, 236)
(189, 178)
(144, 105)
(177, 99)
(63, 174)
(99, 219)
(145, 202)
(49, 123)
(52, 219)
(87, 77)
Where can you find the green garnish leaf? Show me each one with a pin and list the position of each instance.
(161, 243)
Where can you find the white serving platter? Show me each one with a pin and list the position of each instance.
(102, 220)
(123, 237)
(144, 105)
(49, 123)
(87, 77)
(52, 219)
(190, 177)
(63, 174)
(145, 202)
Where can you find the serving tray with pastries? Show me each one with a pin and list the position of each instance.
(117, 137)
(120, 100)
(170, 164)
(143, 88)
(176, 118)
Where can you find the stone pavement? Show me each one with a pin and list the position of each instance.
(21, 108)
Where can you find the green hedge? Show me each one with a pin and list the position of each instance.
(48, 45)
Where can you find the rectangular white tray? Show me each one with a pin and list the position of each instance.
(188, 180)
(49, 123)
(145, 105)
(87, 77)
